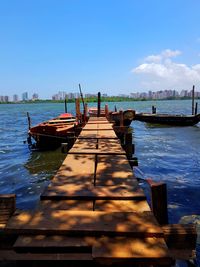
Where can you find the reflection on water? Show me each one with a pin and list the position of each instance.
(44, 162)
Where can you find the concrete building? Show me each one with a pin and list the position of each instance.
(25, 96)
(35, 96)
(15, 98)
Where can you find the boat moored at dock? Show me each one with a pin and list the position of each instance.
(168, 119)
(50, 134)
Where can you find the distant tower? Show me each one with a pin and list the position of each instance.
(35, 96)
(15, 98)
(25, 96)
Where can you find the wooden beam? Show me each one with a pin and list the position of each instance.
(151, 251)
(82, 223)
(85, 192)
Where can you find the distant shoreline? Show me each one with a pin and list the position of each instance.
(103, 99)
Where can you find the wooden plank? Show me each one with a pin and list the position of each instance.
(86, 192)
(121, 205)
(62, 121)
(110, 145)
(119, 249)
(96, 152)
(90, 127)
(85, 144)
(98, 119)
(81, 223)
(105, 127)
(7, 208)
(52, 244)
(11, 255)
(89, 130)
(90, 137)
(114, 170)
(51, 205)
(88, 134)
(4, 216)
(60, 129)
(180, 236)
(106, 134)
(76, 169)
(100, 122)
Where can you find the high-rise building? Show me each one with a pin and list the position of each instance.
(15, 98)
(35, 96)
(6, 98)
(25, 96)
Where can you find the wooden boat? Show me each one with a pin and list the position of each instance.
(168, 119)
(50, 134)
(128, 115)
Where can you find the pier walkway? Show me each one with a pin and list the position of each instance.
(93, 211)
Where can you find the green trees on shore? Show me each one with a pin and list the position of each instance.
(94, 100)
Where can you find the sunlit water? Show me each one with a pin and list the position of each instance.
(169, 154)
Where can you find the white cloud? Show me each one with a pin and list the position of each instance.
(161, 70)
(153, 58)
(168, 53)
(165, 54)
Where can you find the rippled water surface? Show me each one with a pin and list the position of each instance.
(170, 154)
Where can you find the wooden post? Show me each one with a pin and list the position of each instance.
(64, 147)
(159, 201)
(133, 162)
(77, 102)
(106, 110)
(193, 100)
(128, 145)
(65, 105)
(99, 105)
(29, 120)
(8, 204)
(85, 112)
(196, 108)
(121, 118)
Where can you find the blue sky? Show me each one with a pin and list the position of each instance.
(110, 46)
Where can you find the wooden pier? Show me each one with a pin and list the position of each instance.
(93, 212)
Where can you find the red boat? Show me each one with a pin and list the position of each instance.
(50, 134)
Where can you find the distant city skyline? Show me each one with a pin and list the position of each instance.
(61, 95)
(107, 46)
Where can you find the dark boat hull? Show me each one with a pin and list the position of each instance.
(174, 120)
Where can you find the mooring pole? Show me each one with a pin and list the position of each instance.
(99, 105)
(77, 101)
(81, 97)
(65, 105)
(29, 121)
(196, 108)
(106, 110)
(85, 112)
(121, 118)
(128, 145)
(193, 100)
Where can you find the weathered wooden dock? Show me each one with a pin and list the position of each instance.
(93, 212)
